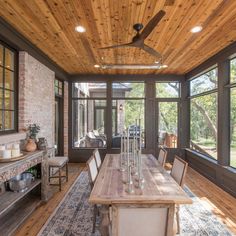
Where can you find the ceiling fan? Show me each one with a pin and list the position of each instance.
(138, 39)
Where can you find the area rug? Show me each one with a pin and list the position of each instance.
(74, 215)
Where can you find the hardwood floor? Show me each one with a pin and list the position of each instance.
(35, 222)
(221, 203)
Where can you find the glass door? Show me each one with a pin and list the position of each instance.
(167, 124)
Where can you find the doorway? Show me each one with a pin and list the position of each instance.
(167, 124)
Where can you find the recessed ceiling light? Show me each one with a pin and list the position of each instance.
(196, 29)
(164, 66)
(96, 66)
(80, 29)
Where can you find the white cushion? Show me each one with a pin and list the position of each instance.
(57, 161)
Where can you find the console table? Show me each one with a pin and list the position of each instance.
(16, 207)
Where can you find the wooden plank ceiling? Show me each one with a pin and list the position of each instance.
(50, 25)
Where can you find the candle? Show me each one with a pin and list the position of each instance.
(121, 143)
(2, 148)
(128, 149)
(6, 153)
(15, 152)
(140, 141)
(16, 146)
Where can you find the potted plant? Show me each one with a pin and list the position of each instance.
(33, 130)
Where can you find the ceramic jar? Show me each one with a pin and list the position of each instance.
(42, 144)
(31, 145)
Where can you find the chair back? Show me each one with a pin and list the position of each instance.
(92, 169)
(97, 158)
(162, 156)
(178, 170)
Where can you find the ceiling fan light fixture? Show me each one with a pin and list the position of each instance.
(80, 29)
(196, 29)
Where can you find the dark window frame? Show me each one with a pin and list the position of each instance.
(85, 98)
(15, 88)
(232, 86)
(202, 94)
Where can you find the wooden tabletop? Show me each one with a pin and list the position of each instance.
(159, 186)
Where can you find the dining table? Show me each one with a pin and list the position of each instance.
(145, 211)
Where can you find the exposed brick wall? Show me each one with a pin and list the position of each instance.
(66, 118)
(36, 96)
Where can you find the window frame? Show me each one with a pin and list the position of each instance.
(202, 94)
(231, 86)
(114, 98)
(15, 91)
(85, 98)
(197, 76)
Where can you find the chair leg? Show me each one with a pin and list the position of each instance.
(94, 217)
(59, 178)
(66, 171)
(177, 219)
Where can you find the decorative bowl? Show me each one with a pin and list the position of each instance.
(21, 182)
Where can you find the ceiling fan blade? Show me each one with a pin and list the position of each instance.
(119, 46)
(151, 51)
(169, 2)
(152, 24)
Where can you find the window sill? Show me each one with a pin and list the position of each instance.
(205, 157)
(211, 160)
(11, 138)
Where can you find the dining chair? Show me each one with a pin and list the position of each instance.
(162, 156)
(93, 172)
(97, 158)
(178, 172)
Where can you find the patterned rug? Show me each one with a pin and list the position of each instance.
(73, 216)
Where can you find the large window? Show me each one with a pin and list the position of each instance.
(168, 94)
(204, 113)
(7, 89)
(204, 83)
(128, 110)
(233, 113)
(89, 113)
(167, 90)
(168, 124)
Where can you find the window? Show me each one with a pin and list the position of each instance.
(233, 70)
(168, 94)
(168, 124)
(233, 113)
(233, 128)
(8, 93)
(204, 82)
(128, 90)
(58, 87)
(128, 110)
(89, 113)
(167, 90)
(203, 115)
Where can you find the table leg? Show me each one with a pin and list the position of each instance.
(105, 222)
